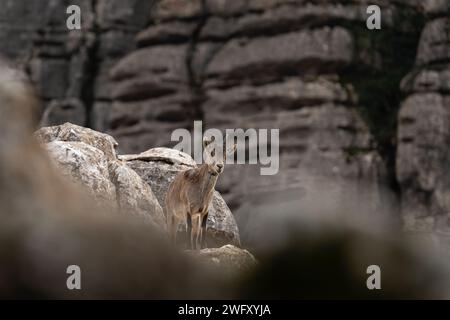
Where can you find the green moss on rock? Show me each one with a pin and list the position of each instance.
(382, 58)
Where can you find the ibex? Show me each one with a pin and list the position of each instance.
(190, 193)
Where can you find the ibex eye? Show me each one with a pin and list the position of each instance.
(213, 153)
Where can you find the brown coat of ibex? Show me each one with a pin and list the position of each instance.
(190, 193)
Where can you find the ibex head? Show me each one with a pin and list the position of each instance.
(215, 154)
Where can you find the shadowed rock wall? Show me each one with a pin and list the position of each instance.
(423, 153)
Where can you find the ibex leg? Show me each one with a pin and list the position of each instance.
(204, 235)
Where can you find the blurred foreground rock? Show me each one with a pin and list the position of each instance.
(333, 264)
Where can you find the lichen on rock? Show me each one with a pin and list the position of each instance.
(88, 158)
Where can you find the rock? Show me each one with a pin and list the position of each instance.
(271, 64)
(434, 44)
(298, 66)
(173, 9)
(228, 259)
(86, 165)
(435, 7)
(150, 72)
(140, 69)
(423, 129)
(165, 63)
(113, 14)
(224, 105)
(159, 166)
(71, 132)
(151, 97)
(286, 17)
(266, 57)
(51, 77)
(115, 43)
(103, 84)
(314, 124)
(61, 111)
(170, 156)
(134, 195)
(427, 80)
(143, 124)
(88, 158)
(48, 225)
(166, 33)
(422, 161)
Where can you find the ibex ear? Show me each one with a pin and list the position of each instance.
(208, 140)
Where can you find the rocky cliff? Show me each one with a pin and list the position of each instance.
(49, 223)
(139, 69)
(423, 158)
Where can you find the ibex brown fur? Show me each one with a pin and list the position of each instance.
(190, 193)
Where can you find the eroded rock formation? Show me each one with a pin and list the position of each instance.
(47, 225)
(88, 158)
(140, 69)
(423, 152)
(135, 184)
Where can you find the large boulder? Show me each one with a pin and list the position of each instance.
(70, 132)
(84, 164)
(134, 195)
(159, 166)
(88, 158)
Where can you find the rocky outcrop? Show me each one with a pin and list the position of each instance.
(48, 225)
(140, 69)
(69, 132)
(132, 183)
(88, 158)
(424, 128)
(159, 166)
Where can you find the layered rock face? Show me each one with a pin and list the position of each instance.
(140, 69)
(70, 68)
(423, 154)
(271, 65)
